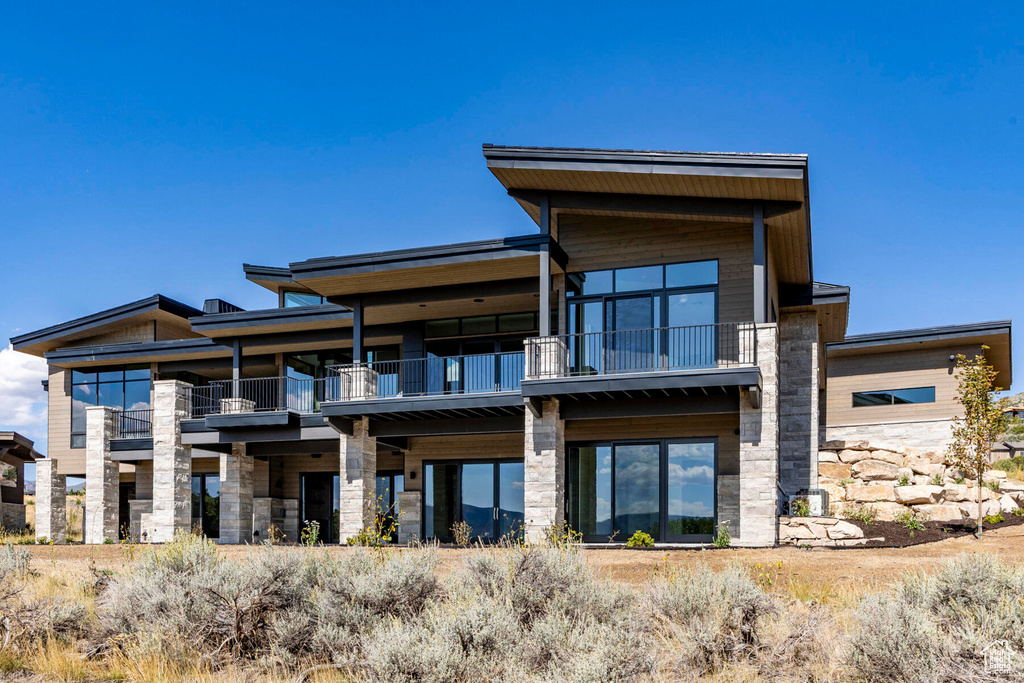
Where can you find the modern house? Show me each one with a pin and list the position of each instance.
(15, 452)
(657, 357)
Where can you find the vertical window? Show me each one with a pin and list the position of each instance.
(206, 504)
(888, 397)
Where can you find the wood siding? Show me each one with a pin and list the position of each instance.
(474, 447)
(893, 370)
(597, 243)
(71, 461)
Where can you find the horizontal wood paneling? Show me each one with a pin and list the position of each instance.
(471, 447)
(58, 428)
(724, 427)
(594, 243)
(896, 370)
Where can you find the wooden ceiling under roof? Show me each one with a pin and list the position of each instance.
(767, 178)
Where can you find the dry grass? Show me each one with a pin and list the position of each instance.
(820, 591)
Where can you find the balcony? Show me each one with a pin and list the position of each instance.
(132, 434)
(665, 362)
(437, 388)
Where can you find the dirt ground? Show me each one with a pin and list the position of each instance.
(813, 570)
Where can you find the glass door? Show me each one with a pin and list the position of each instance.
(694, 345)
(487, 495)
(317, 500)
(637, 476)
(632, 344)
(691, 491)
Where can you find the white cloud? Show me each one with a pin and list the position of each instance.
(22, 399)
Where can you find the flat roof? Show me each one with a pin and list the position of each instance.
(291, 318)
(938, 333)
(995, 334)
(153, 307)
(195, 347)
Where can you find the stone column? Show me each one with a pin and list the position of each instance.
(544, 455)
(51, 502)
(410, 516)
(358, 462)
(236, 496)
(102, 477)
(759, 448)
(798, 402)
(545, 357)
(172, 465)
(262, 518)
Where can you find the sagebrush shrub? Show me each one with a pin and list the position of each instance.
(14, 561)
(896, 641)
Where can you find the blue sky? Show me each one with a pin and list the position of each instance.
(149, 150)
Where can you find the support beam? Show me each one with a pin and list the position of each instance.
(357, 331)
(236, 474)
(172, 465)
(357, 456)
(51, 491)
(545, 292)
(760, 267)
(102, 477)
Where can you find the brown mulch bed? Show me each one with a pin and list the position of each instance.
(898, 536)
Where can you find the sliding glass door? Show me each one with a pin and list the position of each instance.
(665, 488)
(487, 495)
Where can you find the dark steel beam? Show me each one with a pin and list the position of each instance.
(484, 425)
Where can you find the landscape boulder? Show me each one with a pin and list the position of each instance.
(940, 513)
(833, 470)
(870, 470)
(917, 495)
(844, 530)
(867, 493)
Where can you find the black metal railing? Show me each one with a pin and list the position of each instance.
(660, 349)
(133, 424)
(262, 394)
(435, 376)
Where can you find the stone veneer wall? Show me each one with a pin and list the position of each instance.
(544, 470)
(729, 502)
(102, 477)
(358, 463)
(172, 465)
(51, 499)
(236, 516)
(921, 434)
(759, 448)
(798, 402)
(12, 516)
(410, 515)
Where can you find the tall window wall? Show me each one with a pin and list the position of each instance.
(643, 318)
(127, 388)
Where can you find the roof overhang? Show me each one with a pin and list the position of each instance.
(273, 278)
(141, 352)
(996, 335)
(272, 320)
(830, 302)
(467, 262)
(154, 308)
(779, 181)
(14, 446)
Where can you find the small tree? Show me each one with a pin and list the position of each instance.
(982, 422)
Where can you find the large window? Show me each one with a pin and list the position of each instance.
(652, 317)
(889, 397)
(664, 488)
(489, 496)
(125, 388)
(206, 504)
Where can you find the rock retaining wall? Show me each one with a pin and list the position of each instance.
(819, 531)
(894, 480)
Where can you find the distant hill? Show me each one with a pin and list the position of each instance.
(30, 488)
(1017, 399)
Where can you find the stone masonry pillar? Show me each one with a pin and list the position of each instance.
(410, 516)
(236, 496)
(172, 465)
(798, 402)
(358, 463)
(51, 501)
(102, 477)
(544, 460)
(759, 448)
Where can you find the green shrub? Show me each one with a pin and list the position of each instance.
(799, 507)
(903, 481)
(910, 520)
(723, 539)
(639, 539)
(847, 482)
(937, 480)
(992, 485)
(995, 519)
(862, 513)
